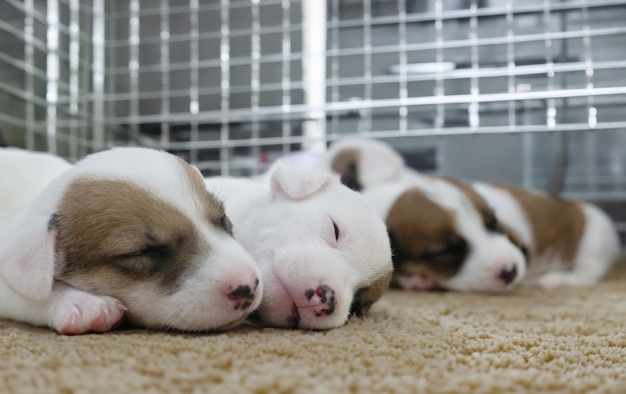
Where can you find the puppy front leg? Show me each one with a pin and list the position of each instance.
(71, 311)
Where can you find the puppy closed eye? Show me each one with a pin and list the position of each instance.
(336, 233)
(226, 224)
(492, 224)
(142, 261)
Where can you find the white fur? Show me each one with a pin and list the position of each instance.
(28, 262)
(23, 175)
(599, 246)
(285, 220)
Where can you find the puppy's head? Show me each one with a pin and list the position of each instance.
(138, 225)
(321, 248)
(363, 162)
(444, 235)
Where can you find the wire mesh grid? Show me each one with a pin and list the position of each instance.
(233, 84)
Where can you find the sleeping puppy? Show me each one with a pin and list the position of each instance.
(443, 234)
(322, 250)
(129, 231)
(570, 243)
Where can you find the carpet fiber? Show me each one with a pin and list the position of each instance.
(565, 340)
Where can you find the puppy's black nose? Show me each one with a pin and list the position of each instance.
(241, 292)
(508, 274)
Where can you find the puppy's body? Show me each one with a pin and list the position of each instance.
(569, 243)
(131, 231)
(445, 236)
(322, 251)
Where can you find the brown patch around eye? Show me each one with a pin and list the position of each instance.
(345, 164)
(417, 226)
(368, 295)
(117, 230)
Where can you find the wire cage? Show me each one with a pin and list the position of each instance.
(526, 92)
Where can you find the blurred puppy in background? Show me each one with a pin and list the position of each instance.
(565, 243)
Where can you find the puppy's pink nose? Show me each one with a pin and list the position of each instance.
(243, 294)
(508, 274)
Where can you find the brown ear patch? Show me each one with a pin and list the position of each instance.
(111, 233)
(213, 207)
(346, 164)
(557, 224)
(476, 199)
(368, 295)
(424, 238)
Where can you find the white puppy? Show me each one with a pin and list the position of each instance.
(569, 243)
(322, 250)
(127, 231)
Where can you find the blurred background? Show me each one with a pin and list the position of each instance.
(530, 92)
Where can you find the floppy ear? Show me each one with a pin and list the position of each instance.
(27, 256)
(296, 183)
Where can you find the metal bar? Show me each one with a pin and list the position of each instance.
(390, 134)
(224, 113)
(314, 74)
(74, 80)
(427, 17)
(335, 81)
(439, 79)
(366, 116)
(133, 65)
(473, 111)
(194, 104)
(165, 75)
(403, 91)
(334, 67)
(510, 59)
(29, 77)
(98, 35)
(255, 82)
(52, 73)
(286, 72)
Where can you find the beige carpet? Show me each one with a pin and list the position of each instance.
(567, 340)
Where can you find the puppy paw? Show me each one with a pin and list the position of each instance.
(556, 279)
(324, 300)
(76, 312)
(416, 282)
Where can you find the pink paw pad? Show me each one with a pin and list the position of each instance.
(78, 313)
(324, 297)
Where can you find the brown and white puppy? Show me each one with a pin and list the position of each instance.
(322, 250)
(444, 235)
(569, 243)
(129, 231)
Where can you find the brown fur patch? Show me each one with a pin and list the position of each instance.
(111, 234)
(369, 294)
(424, 238)
(557, 224)
(476, 199)
(346, 164)
(213, 207)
